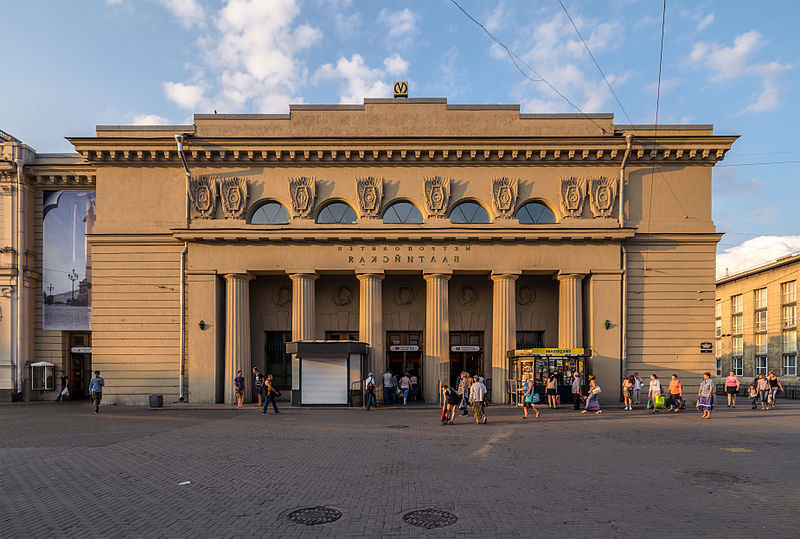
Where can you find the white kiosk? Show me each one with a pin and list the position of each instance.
(329, 372)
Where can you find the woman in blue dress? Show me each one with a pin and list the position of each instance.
(706, 395)
(593, 398)
(527, 396)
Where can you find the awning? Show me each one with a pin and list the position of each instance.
(42, 364)
(550, 352)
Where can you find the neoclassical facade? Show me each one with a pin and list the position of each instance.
(441, 235)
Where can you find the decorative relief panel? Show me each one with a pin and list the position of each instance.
(369, 192)
(467, 296)
(342, 297)
(504, 196)
(525, 295)
(203, 197)
(302, 192)
(405, 296)
(233, 194)
(573, 193)
(602, 194)
(437, 195)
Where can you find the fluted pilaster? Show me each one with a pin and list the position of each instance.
(437, 335)
(303, 316)
(504, 331)
(570, 311)
(237, 331)
(370, 319)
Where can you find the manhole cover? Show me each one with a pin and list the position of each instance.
(429, 518)
(719, 477)
(397, 427)
(314, 515)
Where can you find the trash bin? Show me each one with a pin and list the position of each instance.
(156, 401)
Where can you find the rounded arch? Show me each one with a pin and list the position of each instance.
(535, 212)
(402, 211)
(336, 211)
(268, 211)
(469, 211)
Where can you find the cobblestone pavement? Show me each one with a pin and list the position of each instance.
(64, 471)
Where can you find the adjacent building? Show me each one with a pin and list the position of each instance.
(442, 236)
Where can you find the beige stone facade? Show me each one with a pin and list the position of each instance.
(756, 321)
(402, 223)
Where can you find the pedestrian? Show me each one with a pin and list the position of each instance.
(576, 391)
(272, 395)
(675, 393)
(731, 388)
(593, 397)
(477, 394)
(463, 392)
(369, 391)
(451, 400)
(638, 385)
(238, 386)
(774, 386)
(763, 390)
(258, 382)
(706, 395)
(405, 387)
(395, 389)
(414, 386)
(654, 392)
(63, 391)
(527, 396)
(387, 387)
(753, 394)
(551, 389)
(96, 391)
(627, 391)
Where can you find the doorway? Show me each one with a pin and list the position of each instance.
(276, 361)
(466, 354)
(404, 354)
(79, 364)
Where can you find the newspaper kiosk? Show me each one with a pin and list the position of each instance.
(539, 363)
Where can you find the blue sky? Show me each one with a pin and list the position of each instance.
(731, 63)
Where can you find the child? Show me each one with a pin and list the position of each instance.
(753, 394)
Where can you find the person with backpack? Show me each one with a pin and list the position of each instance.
(369, 391)
(527, 396)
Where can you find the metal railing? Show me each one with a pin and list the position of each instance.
(790, 391)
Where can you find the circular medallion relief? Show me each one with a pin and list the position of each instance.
(342, 297)
(525, 295)
(468, 296)
(405, 296)
(282, 296)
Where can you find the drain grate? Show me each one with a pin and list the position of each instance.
(311, 516)
(719, 477)
(429, 518)
(397, 427)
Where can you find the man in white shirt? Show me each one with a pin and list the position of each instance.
(638, 385)
(477, 393)
(369, 391)
(388, 397)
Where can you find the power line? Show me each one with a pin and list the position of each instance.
(761, 163)
(514, 58)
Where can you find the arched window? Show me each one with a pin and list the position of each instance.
(403, 213)
(270, 213)
(469, 213)
(535, 213)
(337, 213)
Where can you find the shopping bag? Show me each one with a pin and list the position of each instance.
(660, 402)
(65, 393)
(649, 404)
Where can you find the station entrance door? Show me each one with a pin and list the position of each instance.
(404, 354)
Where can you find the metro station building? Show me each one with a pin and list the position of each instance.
(442, 236)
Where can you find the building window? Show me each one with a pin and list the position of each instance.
(535, 213)
(790, 364)
(789, 316)
(788, 291)
(270, 213)
(337, 213)
(790, 340)
(761, 365)
(718, 308)
(719, 367)
(469, 213)
(530, 339)
(736, 324)
(736, 304)
(737, 347)
(718, 348)
(761, 343)
(737, 366)
(761, 298)
(402, 213)
(718, 327)
(761, 321)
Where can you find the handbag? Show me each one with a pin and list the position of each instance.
(660, 402)
(650, 404)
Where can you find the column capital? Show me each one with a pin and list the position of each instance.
(238, 276)
(304, 275)
(505, 276)
(570, 276)
(436, 276)
(367, 275)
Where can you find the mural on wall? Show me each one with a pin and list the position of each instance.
(67, 269)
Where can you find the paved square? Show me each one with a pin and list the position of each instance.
(66, 472)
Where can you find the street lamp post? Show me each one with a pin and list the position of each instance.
(73, 277)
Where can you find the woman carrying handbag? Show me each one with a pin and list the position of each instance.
(593, 399)
(528, 396)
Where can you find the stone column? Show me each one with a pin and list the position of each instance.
(504, 331)
(303, 319)
(570, 311)
(436, 369)
(370, 319)
(237, 331)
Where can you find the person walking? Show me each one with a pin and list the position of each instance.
(527, 396)
(576, 391)
(272, 395)
(477, 394)
(638, 386)
(753, 394)
(451, 400)
(369, 391)
(62, 390)
(774, 386)
(592, 397)
(551, 389)
(627, 391)
(762, 385)
(405, 387)
(463, 392)
(706, 395)
(96, 385)
(414, 386)
(731, 388)
(388, 398)
(655, 391)
(675, 393)
(239, 387)
(258, 383)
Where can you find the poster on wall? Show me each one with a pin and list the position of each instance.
(67, 270)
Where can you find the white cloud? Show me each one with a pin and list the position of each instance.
(705, 21)
(358, 79)
(188, 12)
(401, 25)
(755, 252)
(395, 65)
(188, 96)
(114, 2)
(496, 18)
(150, 119)
(727, 63)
